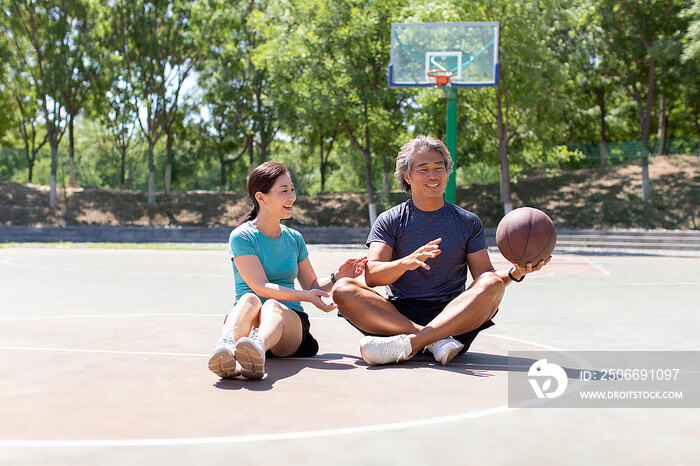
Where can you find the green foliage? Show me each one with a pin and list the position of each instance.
(304, 82)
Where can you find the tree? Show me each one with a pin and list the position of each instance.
(153, 38)
(354, 39)
(35, 28)
(80, 67)
(526, 106)
(692, 47)
(634, 34)
(17, 89)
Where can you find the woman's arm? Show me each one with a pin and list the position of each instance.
(308, 280)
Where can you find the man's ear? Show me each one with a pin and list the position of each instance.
(406, 178)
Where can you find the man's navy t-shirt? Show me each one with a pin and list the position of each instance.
(405, 228)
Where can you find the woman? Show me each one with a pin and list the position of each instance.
(267, 318)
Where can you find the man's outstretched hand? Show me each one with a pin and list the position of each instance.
(418, 257)
(519, 270)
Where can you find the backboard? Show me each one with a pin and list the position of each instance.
(470, 50)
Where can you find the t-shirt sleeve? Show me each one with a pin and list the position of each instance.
(477, 238)
(383, 230)
(241, 244)
(302, 251)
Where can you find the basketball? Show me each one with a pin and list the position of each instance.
(526, 235)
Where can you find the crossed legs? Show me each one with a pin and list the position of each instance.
(372, 313)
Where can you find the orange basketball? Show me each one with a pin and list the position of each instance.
(526, 235)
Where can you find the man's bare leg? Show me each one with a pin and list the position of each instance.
(370, 311)
(465, 313)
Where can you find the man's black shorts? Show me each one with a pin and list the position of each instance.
(422, 312)
(308, 346)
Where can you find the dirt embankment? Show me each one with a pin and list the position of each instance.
(590, 198)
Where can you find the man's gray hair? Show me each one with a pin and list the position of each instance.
(404, 161)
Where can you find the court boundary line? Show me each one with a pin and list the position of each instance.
(275, 436)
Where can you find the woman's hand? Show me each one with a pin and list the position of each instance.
(351, 268)
(314, 297)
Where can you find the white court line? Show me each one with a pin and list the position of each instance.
(72, 350)
(78, 316)
(254, 438)
(128, 272)
(596, 266)
(265, 437)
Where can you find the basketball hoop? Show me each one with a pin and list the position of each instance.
(442, 77)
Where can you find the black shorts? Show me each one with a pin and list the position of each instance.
(422, 312)
(308, 346)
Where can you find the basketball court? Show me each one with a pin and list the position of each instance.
(104, 356)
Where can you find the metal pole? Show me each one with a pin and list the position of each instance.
(451, 141)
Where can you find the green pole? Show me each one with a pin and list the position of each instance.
(451, 141)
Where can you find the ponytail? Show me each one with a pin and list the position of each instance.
(250, 215)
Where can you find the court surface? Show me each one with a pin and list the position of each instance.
(103, 355)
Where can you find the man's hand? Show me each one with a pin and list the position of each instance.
(418, 257)
(520, 271)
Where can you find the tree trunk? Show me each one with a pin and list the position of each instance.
(323, 165)
(71, 152)
(122, 172)
(646, 128)
(223, 171)
(503, 155)
(262, 155)
(151, 176)
(54, 169)
(372, 206)
(600, 92)
(386, 180)
(661, 134)
(30, 162)
(168, 161)
(251, 155)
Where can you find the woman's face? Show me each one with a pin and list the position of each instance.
(279, 200)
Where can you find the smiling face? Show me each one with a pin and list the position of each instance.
(279, 200)
(428, 176)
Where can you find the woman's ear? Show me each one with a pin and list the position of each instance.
(260, 197)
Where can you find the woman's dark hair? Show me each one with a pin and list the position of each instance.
(262, 179)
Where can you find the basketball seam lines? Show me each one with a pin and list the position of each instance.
(512, 253)
(549, 237)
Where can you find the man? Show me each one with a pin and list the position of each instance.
(422, 250)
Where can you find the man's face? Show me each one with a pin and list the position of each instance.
(428, 177)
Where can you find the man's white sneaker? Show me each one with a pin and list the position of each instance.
(250, 353)
(444, 350)
(222, 361)
(385, 350)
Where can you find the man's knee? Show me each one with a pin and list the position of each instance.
(344, 289)
(491, 285)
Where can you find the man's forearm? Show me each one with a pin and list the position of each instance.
(379, 273)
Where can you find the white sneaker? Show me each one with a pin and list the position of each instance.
(385, 350)
(222, 361)
(250, 353)
(444, 350)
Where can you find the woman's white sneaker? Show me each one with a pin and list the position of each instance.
(222, 361)
(250, 354)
